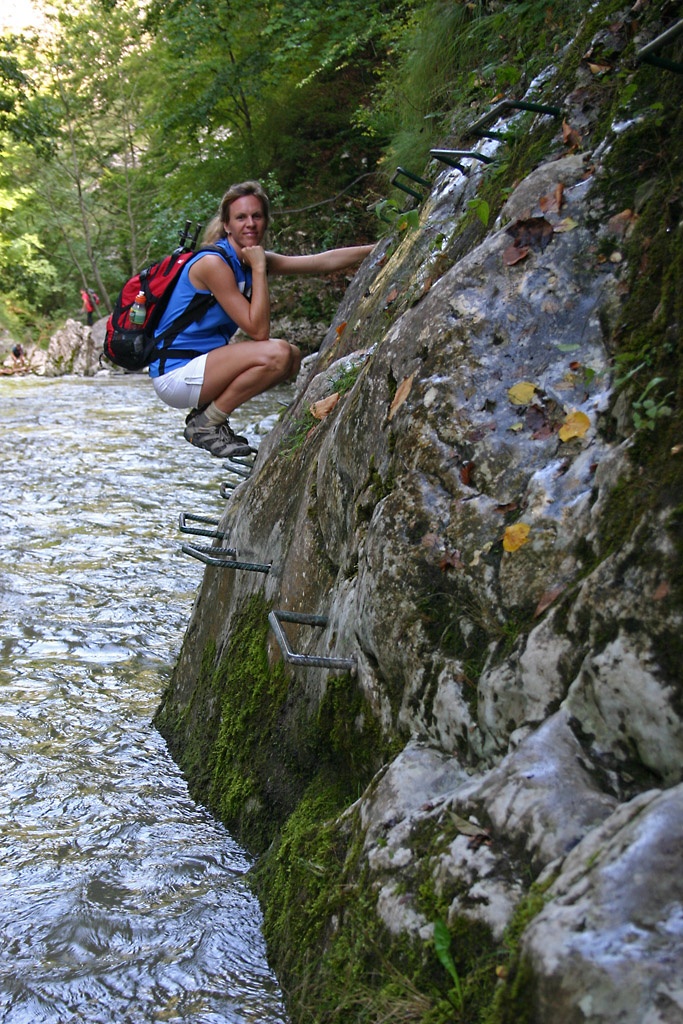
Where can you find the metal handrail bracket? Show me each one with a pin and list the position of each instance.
(224, 558)
(184, 517)
(275, 618)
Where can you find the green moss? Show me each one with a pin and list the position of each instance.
(374, 490)
(191, 730)
(245, 752)
(512, 1001)
(336, 960)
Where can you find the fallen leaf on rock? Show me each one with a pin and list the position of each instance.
(391, 297)
(662, 591)
(536, 417)
(402, 392)
(451, 560)
(515, 536)
(468, 828)
(575, 425)
(340, 329)
(514, 254)
(325, 406)
(566, 224)
(544, 431)
(570, 136)
(620, 223)
(534, 232)
(552, 203)
(522, 393)
(476, 557)
(547, 599)
(466, 473)
(599, 69)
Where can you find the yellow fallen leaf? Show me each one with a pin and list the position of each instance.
(325, 406)
(468, 828)
(566, 224)
(575, 425)
(515, 536)
(402, 392)
(522, 393)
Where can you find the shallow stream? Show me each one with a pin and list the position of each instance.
(121, 900)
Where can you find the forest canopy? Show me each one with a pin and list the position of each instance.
(120, 120)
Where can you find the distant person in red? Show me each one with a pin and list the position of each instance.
(90, 301)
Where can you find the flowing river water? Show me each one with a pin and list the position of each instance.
(121, 900)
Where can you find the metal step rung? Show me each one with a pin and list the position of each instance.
(413, 177)
(276, 617)
(501, 108)
(238, 466)
(200, 531)
(444, 157)
(647, 53)
(447, 155)
(224, 558)
(227, 485)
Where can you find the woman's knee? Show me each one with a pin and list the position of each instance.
(282, 357)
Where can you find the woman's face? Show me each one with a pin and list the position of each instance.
(246, 223)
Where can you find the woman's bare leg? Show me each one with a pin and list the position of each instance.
(237, 372)
(232, 375)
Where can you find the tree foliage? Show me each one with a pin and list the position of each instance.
(121, 119)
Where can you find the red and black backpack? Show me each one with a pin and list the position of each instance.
(133, 346)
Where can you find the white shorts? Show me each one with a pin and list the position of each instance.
(180, 388)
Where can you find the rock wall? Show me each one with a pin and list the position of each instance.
(479, 818)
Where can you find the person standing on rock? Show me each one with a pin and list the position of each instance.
(211, 377)
(90, 301)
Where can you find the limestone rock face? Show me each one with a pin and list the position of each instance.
(468, 523)
(72, 349)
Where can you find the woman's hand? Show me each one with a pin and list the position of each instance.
(255, 257)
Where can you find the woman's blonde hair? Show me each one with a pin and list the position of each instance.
(215, 229)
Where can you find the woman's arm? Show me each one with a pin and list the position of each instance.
(212, 273)
(319, 262)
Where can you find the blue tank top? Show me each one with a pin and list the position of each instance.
(215, 328)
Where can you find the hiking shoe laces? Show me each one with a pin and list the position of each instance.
(227, 431)
(220, 441)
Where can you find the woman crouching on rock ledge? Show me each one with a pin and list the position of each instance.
(207, 375)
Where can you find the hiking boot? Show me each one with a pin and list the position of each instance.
(219, 440)
(231, 433)
(227, 431)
